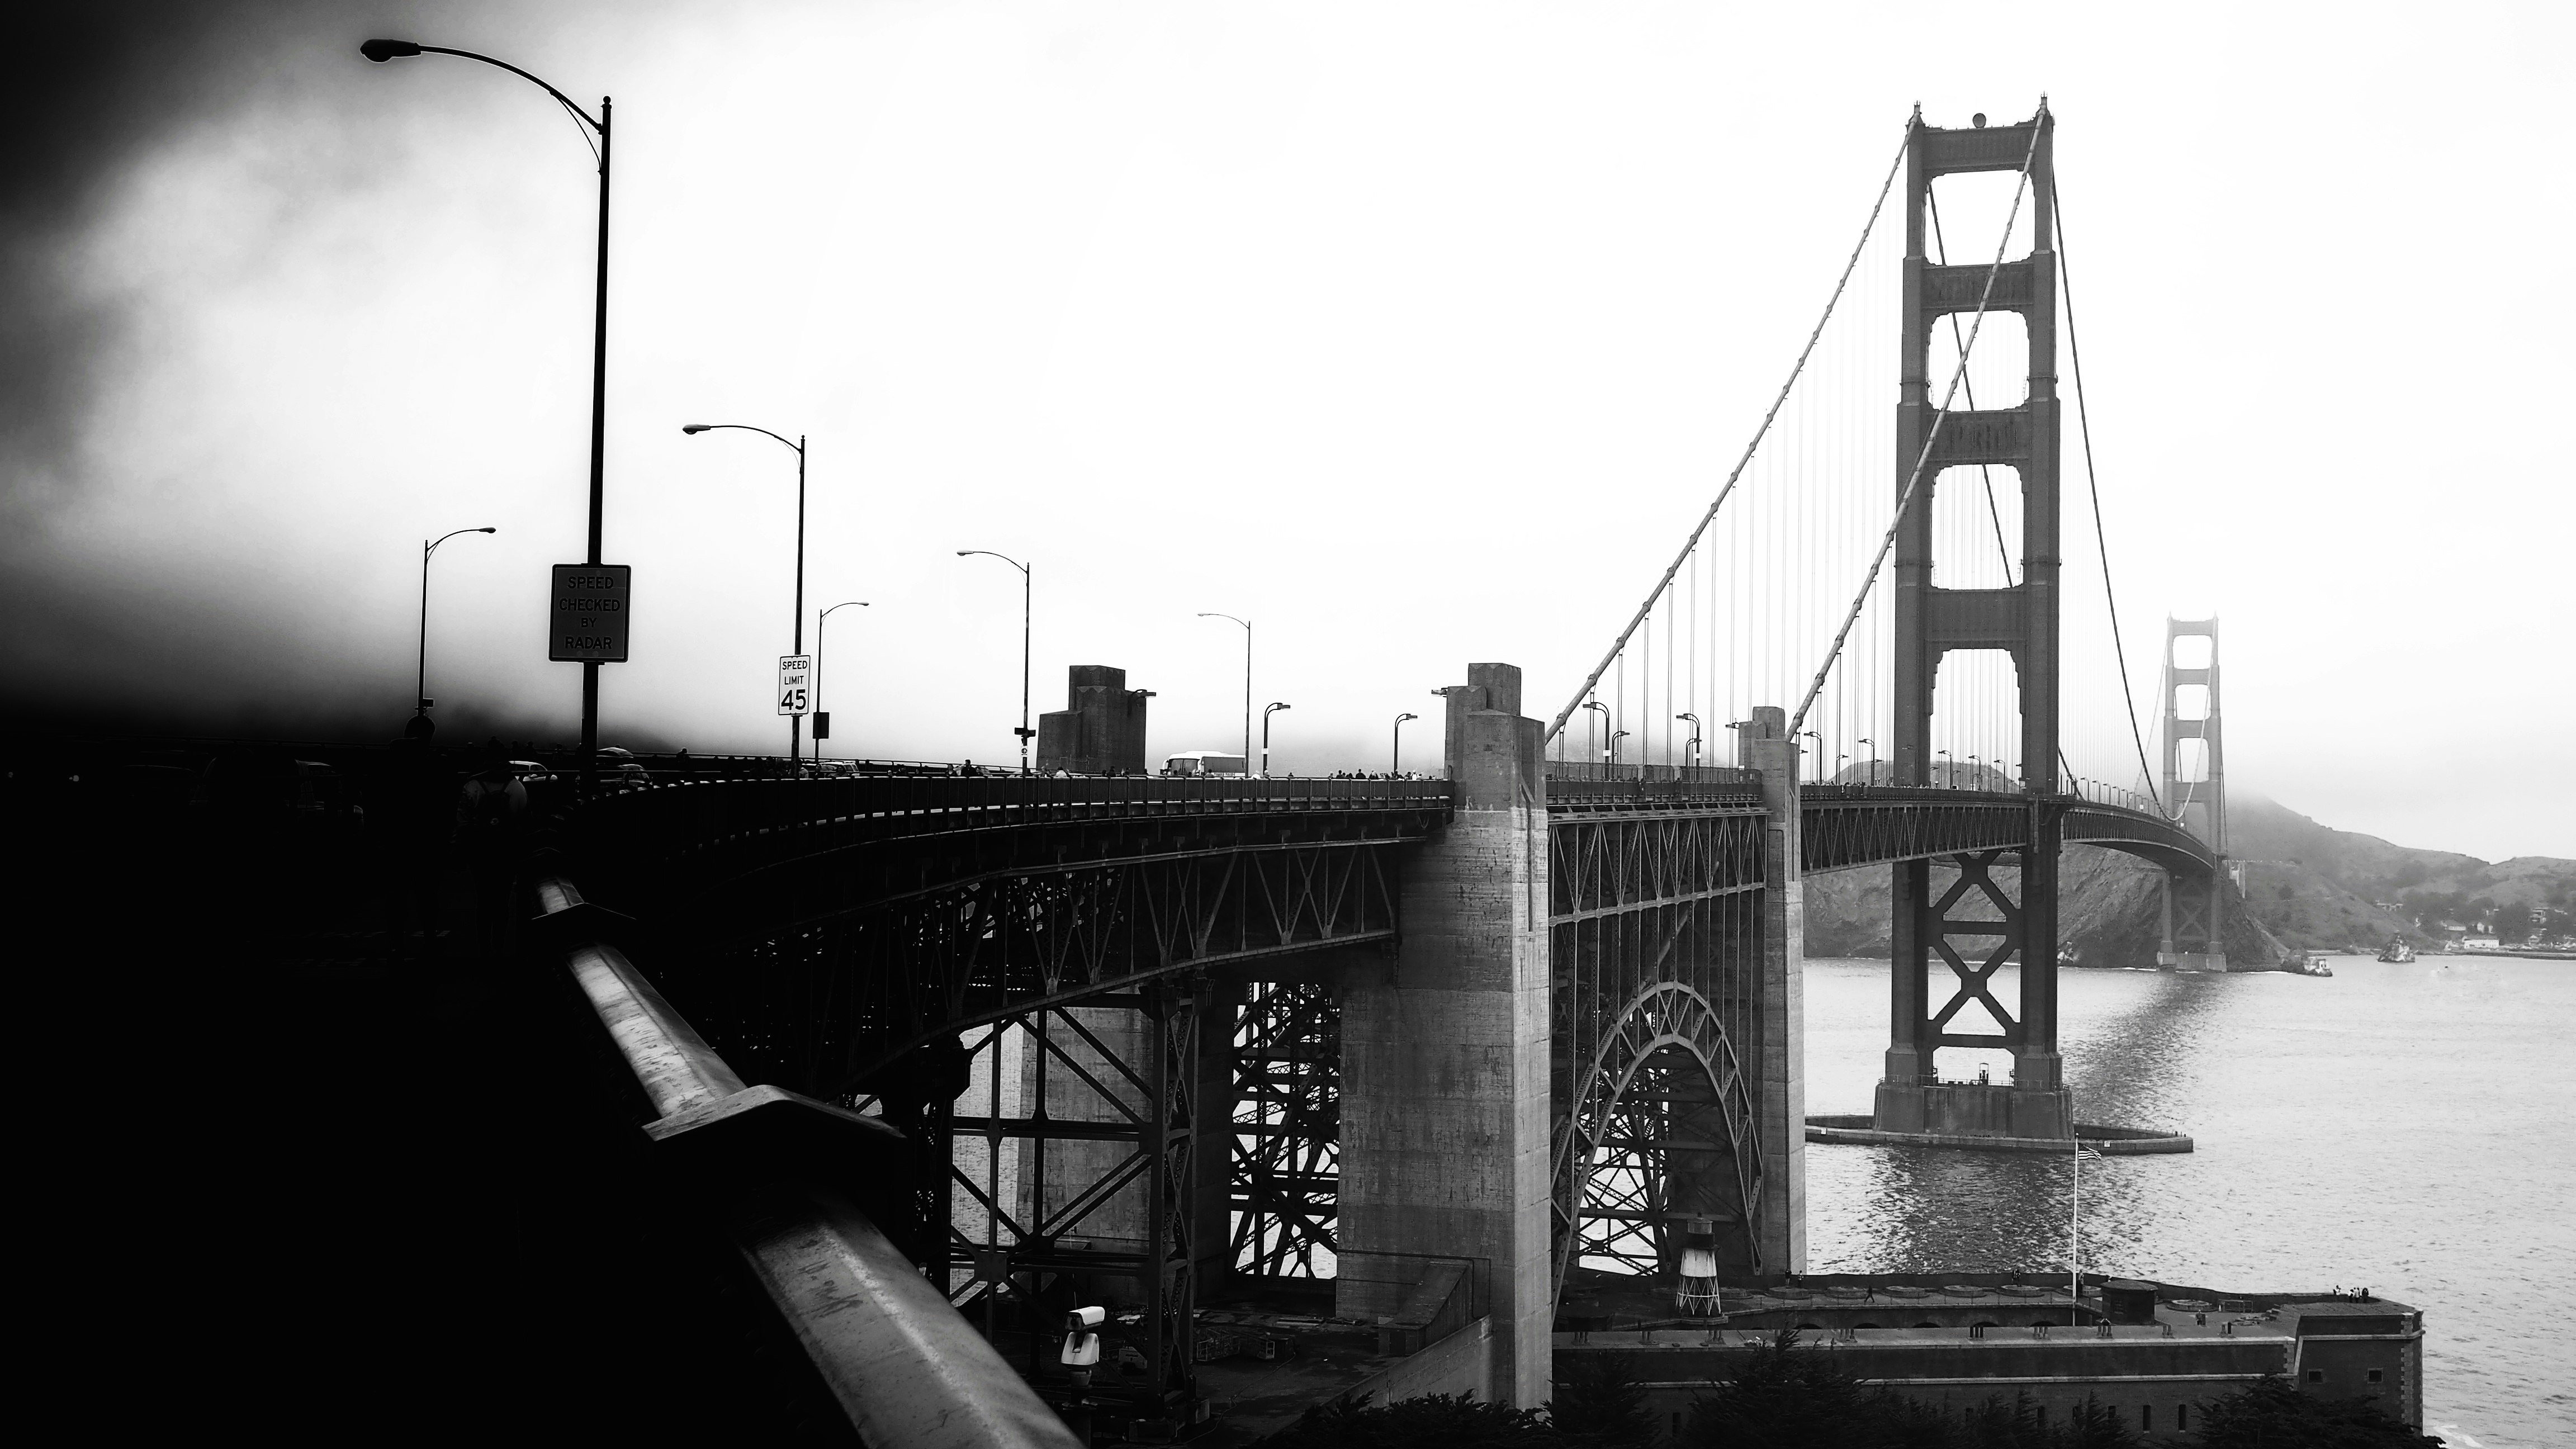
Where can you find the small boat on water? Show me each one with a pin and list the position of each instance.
(2302, 963)
(2397, 950)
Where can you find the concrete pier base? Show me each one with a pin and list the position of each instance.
(1974, 1109)
(1861, 1131)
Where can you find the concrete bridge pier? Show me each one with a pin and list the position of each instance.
(1781, 1052)
(1445, 1067)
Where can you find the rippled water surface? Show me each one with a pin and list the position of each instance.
(2400, 1127)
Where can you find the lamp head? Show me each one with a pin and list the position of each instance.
(381, 51)
(1399, 719)
(961, 553)
(487, 530)
(695, 428)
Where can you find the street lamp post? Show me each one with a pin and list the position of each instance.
(1820, 752)
(1615, 737)
(420, 681)
(1247, 683)
(385, 50)
(1692, 745)
(1395, 763)
(795, 722)
(819, 620)
(1872, 766)
(1592, 731)
(1947, 778)
(1028, 595)
(1267, 711)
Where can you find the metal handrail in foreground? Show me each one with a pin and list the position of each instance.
(906, 1368)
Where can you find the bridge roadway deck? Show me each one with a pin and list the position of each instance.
(956, 830)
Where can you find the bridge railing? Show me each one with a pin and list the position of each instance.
(1592, 786)
(907, 1369)
(1596, 771)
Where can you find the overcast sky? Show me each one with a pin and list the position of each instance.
(1415, 333)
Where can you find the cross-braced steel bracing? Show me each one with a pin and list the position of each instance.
(2194, 927)
(1286, 1131)
(1093, 1179)
(1996, 921)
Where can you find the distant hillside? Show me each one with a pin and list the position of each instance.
(2306, 886)
(2297, 868)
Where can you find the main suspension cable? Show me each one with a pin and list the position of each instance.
(1594, 678)
(1922, 460)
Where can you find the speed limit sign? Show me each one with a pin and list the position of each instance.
(795, 684)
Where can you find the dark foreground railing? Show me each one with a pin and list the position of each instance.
(904, 1366)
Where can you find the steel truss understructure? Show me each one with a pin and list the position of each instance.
(832, 1006)
(1656, 948)
(1285, 1177)
(1104, 1185)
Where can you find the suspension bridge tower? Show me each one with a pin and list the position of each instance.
(2194, 781)
(1974, 926)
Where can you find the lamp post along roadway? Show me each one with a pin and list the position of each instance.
(1247, 683)
(1600, 715)
(1395, 763)
(1267, 711)
(819, 621)
(420, 682)
(1692, 744)
(795, 719)
(385, 50)
(1028, 592)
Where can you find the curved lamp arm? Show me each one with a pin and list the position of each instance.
(988, 553)
(381, 51)
(431, 548)
(695, 428)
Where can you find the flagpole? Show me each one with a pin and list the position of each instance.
(2075, 1243)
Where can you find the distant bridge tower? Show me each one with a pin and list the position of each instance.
(2194, 785)
(1975, 927)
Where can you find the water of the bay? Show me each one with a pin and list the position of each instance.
(2400, 1127)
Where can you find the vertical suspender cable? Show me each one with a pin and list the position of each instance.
(1800, 366)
